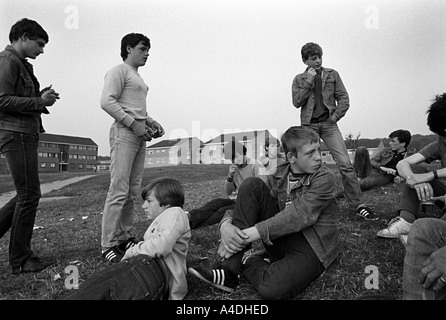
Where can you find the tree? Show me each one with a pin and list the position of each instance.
(351, 141)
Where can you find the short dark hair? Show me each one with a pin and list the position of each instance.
(311, 49)
(28, 28)
(168, 192)
(132, 40)
(295, 137)
(272, 140)
(402, 136)
(436, 115)
(232, 148)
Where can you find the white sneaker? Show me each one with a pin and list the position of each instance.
(396, 227)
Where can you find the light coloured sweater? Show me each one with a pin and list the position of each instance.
(168, 238)
(253, 168)
(124, 95)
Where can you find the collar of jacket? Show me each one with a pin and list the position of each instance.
(11, 49)
(324, 73)
(284, 169)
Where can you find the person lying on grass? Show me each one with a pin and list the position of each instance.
(155, 268)
(295, 216)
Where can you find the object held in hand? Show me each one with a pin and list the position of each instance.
(429, 210)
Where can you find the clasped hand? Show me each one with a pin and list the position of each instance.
(233, 240)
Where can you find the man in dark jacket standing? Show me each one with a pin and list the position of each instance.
(21, 106)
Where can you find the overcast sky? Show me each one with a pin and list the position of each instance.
(220, 66)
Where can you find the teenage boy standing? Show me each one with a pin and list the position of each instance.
(21, 106)
(323, 99)
(124, 98)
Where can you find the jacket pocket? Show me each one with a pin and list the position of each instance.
(28, 86)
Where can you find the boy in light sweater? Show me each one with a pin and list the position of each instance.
(124, 98)
(155, 268)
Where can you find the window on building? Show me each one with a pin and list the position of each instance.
(52, 165)
(43, 164)
(81, 165)
(72, 165)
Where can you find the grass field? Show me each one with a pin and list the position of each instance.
(70, 230)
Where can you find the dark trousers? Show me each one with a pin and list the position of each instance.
(409, 202)
(211, 213)
(19, 214)
(293, 264)
(370, 177)
(137, 278)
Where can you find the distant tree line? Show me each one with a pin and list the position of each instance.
(417, 142)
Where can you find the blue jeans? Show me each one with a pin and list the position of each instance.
(127, 153)
(426, 236)
(293, 265)
(370, 177)
(137, 278)
(19, 214)
(330, 134)
(409, 202)
(211, 213)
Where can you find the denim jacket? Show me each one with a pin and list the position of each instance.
(313, 211)
(20, 103)
(383, 157)
(334, 95)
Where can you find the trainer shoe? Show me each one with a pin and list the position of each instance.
(113, 254)
(396, 227)
(218, 278)
(34, 264)
(366, 213)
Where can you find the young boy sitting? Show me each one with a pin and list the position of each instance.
(155, 268)
(294, 214)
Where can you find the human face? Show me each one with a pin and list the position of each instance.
(31, 48)
(396, 145)
(272, 151)
(314, 62)
(308, 159)
(138, 55)
(152, 207)
(239, 159)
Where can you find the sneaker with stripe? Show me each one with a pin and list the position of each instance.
(218, 278)
(113, 254)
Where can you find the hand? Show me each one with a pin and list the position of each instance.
(232, 240)
(433, 268)
(142, 131)
(157, 129)
(388, 171)
(49, 97)
(311, 74)
(398, 179)
(424, 191)
(440, 198)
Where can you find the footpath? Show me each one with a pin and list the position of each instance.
(44, 187)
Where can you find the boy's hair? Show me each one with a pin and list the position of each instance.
(402, 136)
(272, 140)
(28, 28)
(232, 148)
(436, 118)
(311, 49)
(132, 40)
(168, 192)
(295, 137)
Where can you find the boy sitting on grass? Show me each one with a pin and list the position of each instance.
(155, 268)
(294, 214)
